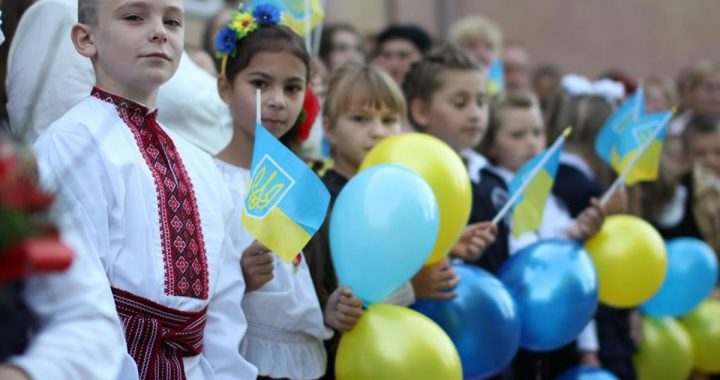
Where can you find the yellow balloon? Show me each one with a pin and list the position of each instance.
(391, 342)
(665, 353)
(703, 325)
(443, 170)
(630, 259)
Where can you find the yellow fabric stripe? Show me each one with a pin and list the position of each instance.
(528, 214)
(277, 232)
(646, 167)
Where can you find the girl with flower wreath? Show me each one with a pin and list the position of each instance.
(286, 325)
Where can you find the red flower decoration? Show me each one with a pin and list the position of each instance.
(310, 111)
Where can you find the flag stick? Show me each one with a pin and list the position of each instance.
(258, 106)
(555, 146)
(620, 180)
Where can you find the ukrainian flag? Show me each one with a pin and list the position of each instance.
(632, 109)
(286, 202)
(496, 77)
(528, 209)
(633, 139)
(293, 12)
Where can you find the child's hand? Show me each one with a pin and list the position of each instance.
(257, 266)
(9, 372)
(432, 282)
(474, 240)
(618, 202)
(590, 359)
(342, 310)
(588, 223)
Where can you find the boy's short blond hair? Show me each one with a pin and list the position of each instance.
(88, 12)
(356, 83)
(474, 27)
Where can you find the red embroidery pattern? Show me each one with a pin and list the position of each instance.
(180, 230)
(158, 337)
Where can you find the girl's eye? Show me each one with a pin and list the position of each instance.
(459, 104)
(517, 135)
(359, 118)
(294, 89)
(132, 18)
(390, 120)
(173, 23)
(258, 83)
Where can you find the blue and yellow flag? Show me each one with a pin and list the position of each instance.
(632, 109)
(530, 205)
(294, 12)
(496, 77)
(286, 202)
(632, 140)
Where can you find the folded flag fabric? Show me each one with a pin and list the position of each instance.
(648, 130)
(286, 202)
(632, 109)
(534, 182)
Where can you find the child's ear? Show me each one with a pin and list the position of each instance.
(418, 111)
(224, 89)
(83, 40)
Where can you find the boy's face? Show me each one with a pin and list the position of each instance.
(282, 78)
(704, 150)
(358, 130)
(704, 98)
(396, 56)
(481, 49)
(457, 113)
(138, 43)
(518, 139)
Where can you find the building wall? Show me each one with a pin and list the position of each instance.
(640, 36)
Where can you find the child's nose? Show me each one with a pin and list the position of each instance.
(158, 33)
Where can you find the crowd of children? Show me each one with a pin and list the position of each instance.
(148, 149)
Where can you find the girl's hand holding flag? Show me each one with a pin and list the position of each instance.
(473, 241)
(589, 222)
(257, 266)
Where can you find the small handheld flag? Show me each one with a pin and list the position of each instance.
(632, 109)
(296, 12)
(530, 188)
(286, 202)
(637, 154)
(648, 128)
(496, 77)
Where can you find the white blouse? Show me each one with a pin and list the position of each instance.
(285, 323)
(93, 158)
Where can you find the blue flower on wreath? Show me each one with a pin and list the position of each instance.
(225, 41)
(267, 14)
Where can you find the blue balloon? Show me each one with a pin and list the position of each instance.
(587, 373)
(691, 276)
(555, 287)
(383, 227)
(482, 322)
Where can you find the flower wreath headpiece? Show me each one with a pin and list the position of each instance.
(241, 24)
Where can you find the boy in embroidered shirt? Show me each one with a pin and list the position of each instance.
(150, 206)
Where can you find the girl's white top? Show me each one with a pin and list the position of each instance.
(285, 323)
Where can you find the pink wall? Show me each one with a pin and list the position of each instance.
(585, 36)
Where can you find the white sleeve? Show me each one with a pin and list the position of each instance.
(190, 106)
(588, 340)
(226, 323)
(46, 76)
(80, 336)
(404, 296)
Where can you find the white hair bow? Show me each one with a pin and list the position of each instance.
(576, 85)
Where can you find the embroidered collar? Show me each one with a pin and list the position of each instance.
(132, 107)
